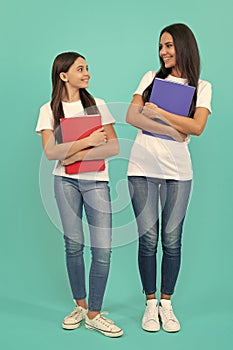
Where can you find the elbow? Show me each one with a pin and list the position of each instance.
(198, 131)
(49, 155)
(129, 119)
(115, 148)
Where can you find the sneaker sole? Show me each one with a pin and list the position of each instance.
(71, 326)
(107, 334)
(150, 330)
(168, 330)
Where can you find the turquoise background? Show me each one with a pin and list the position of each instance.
(119, 40)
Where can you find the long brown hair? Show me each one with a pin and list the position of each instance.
(187, 59)
(62, 63)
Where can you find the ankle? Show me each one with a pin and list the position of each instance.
(150, 296)
(92, 314)
(81, 303)
(166, 296)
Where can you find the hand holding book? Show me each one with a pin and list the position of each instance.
(76, 128)
(97, 137)
(172, 97)
(154, 113)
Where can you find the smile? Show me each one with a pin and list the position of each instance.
(166, 58)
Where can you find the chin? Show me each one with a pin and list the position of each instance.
(169, 66)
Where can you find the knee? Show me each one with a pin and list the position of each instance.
(172, 248)
(101, 255)
(148, 245)
(73, 247)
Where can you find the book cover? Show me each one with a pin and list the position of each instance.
(173, 97)
(76, 128)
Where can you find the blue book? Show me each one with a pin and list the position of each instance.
(172, 97)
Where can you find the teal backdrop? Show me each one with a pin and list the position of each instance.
(119, 40)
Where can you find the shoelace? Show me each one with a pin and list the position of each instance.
(76, 312)
(104, 320)
(169, 313)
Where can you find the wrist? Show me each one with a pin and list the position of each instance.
(87, 142)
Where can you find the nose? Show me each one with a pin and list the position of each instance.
(87, 73)
(163, 51)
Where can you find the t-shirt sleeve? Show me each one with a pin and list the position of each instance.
(146, 81)
(106, 115)
(204, 95)
(45, 119)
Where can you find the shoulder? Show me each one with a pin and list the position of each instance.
(99, 101)
(106, 115)
(45, 120)
(204, 88)
(145, 81)
(204, 94)
(149, 76)
(204, 85)
(46, 108)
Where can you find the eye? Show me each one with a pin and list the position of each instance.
(160, 47)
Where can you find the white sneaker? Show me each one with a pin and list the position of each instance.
(150, 320)
(168, 319)
(74, 319)
(104, 326)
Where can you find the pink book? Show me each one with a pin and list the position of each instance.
(77, 128)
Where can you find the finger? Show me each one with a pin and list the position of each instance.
(99, 130)
(151, 105)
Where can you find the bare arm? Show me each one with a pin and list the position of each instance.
(142, 121)
(193, 126)
(103, 151)
(64, 150)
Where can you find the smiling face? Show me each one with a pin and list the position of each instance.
(77, 77)
(167, 52)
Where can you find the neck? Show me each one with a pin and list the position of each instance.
(176, 73)
(70, 95)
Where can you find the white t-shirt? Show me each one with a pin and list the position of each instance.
(71, 109)
(162, 158)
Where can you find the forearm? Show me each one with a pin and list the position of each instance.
(182, 124)
(141, 121)
(109, 149)
(66, 150)
(191, 126)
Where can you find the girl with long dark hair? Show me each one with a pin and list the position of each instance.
(160, 168)
(89, 191)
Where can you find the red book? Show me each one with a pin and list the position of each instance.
(77, 128)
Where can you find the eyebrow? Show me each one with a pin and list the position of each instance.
(168, 42)
(81, 66)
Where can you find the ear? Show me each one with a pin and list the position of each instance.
(63, 77)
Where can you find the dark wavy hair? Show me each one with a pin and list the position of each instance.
(187, 59)
(62, 63)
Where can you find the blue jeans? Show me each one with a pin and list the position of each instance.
(174, 197)
(72, 195)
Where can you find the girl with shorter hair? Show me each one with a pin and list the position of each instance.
(160, 168)
(89, 191)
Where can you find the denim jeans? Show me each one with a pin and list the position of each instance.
(174, 197)
(72, 195)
